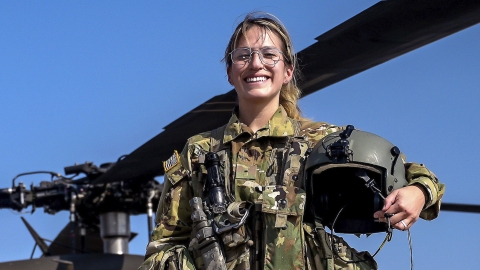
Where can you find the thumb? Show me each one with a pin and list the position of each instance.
(379, 214)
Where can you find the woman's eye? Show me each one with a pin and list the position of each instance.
(269, 55)
(243, 57)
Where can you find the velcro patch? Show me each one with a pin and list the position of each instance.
(171, 161)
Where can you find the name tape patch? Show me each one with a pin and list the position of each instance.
(171, 161)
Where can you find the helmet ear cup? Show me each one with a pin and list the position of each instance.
(377, 202)
(325, 205)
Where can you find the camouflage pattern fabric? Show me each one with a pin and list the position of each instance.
(252, 166)
(418, 174)
(173, 258)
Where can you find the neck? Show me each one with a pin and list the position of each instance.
(255, 116)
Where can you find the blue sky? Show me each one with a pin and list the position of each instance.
(91, 81)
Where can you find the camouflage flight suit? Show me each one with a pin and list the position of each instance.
(251, 163)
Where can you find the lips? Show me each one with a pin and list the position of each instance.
(256, 79)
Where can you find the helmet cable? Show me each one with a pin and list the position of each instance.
(388, 237)
(370, 183)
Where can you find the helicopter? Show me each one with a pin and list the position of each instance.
(145, 166)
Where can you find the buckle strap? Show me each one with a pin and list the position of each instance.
(237, 215)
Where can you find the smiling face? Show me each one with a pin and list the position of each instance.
(255, 82)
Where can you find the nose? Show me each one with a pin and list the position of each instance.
(256, 61)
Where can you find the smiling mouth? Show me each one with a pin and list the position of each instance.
(256, 79)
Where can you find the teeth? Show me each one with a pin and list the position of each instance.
(256, 79)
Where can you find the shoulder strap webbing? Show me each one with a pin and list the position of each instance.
(217, 146)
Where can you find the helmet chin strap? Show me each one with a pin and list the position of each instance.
(369, 182)
(388, 238)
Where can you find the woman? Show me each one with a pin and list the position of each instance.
(251, 147)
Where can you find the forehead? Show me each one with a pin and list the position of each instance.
(257, 37)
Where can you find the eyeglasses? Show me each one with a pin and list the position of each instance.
(268, 55)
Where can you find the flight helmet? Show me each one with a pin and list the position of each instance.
(348, 175)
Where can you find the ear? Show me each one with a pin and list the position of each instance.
(288, 74)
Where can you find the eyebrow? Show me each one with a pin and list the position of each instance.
(265, 47)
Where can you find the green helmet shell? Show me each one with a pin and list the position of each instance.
(332, 177)
(367, 149)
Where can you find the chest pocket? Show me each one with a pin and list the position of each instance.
(293, 162)
(283, 202)
(283, 208)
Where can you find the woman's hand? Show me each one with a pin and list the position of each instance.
(405, 204)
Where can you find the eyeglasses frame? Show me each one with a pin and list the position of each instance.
(260, 56)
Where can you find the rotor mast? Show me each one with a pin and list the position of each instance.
(115, 232)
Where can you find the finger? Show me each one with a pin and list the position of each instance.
(398, 217)
(390, 200)
(381, 216)
(402, 225)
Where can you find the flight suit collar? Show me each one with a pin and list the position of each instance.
(280, 125)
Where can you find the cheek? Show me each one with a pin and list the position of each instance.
(233, 72)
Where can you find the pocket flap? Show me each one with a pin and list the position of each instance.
(283, 200)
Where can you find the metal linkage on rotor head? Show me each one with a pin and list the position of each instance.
(104, 206)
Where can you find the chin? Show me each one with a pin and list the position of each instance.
(257, 98)
(260, 93)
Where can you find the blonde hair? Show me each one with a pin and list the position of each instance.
(290, 93)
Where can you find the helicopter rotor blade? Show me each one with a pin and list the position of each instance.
(459, 207)
(146, 161)
(380, 33)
